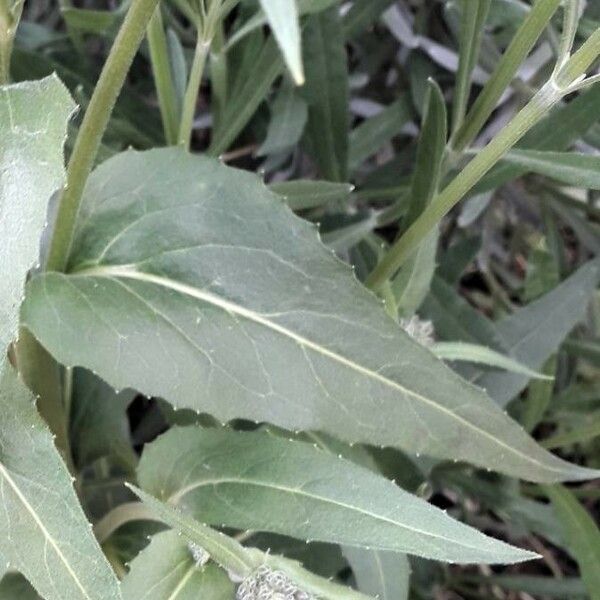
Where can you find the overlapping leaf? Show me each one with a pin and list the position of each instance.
(261, 482)
(191, 281)
(43, 531)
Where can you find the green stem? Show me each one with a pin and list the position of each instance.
(93, 126)
(518, 49)
(541, 103)
(119, 516)
(163, 78)
(191, 93)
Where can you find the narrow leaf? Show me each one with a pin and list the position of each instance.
(327, 93)
(289, 115)
(175, 295)
(261, 482)
(373, 133)
(283, 19)
(413, 281)
(532, 334)
(475, 353)
(572, 168)
(243, 102)
(582, 534)
(473, 16)
(303, 194)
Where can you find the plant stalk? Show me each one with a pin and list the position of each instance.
(524, 40)
(191, 93)
(93, 126)
(531, 114)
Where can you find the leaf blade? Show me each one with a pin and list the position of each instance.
(257, 481)
(201, 292)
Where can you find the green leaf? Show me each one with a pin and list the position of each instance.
(303, 194)
(525, 38)
(383, 575)
(282, 16)
(305, 7)
(532, 334)
(373, 133)
(572, 168)
(362, 14)
(413, 281)
(471, 30)
(327, 93)
(476, 353)
(99, 425)
(31, 164)
(289, 115)
(243, 562)
(167, 568)
(582, 534)
(15, 587)
(261, 482)
(225, 551)
(219, 299)
(245, 99)
(556, 132)
(43, 531)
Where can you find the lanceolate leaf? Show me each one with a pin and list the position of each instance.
(414, 278)
(43, 531)
(283, 18)
(327, 93)
(580, 170)
(261, 482)
(219, 299)
(169, 568)
(531, 334)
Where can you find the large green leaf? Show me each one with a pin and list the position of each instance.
(327, 93)
(283, 18)
(43, 531)
(219, 299)
(261, 482)
(168, 569)
(582, 535)
(31, 165)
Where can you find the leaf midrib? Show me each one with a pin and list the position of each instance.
(23, 500)
(131, 272)
(177, 496)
